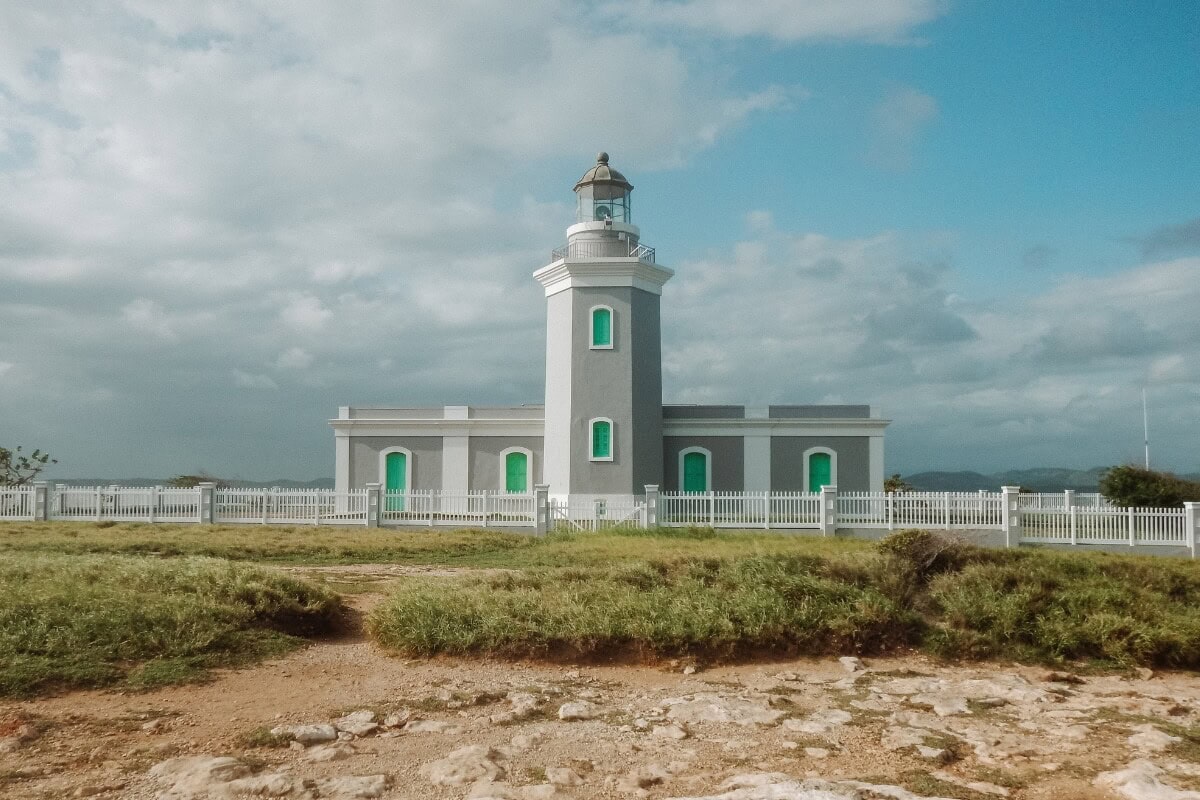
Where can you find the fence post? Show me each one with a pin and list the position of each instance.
(712, 509)
(373, 493)
(541, 509)
(207, 491)
(1069, 504)
(1191, 521)
(828, 510)
(1132, 528)
(651, 515)
(891, 508)
(767, 510)
(41, 500)
(154, 490)
(946, 509)
(1010, 514)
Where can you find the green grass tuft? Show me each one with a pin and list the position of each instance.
(79, 621)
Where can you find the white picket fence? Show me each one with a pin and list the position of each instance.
(17, 502)
(1061, 518)
(485, 509)
(590, 513)
(740, 509)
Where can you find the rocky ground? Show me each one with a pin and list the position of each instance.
(343, 720)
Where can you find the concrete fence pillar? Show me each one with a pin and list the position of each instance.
(828, 510)
(41, 500)
(541, 509)
(1069, 507)
(374, 497)
(651, 516)
(208, 501)
(1010, 514)
(1191, 525)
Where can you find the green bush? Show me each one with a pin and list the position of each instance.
(73, 621)
(710, 607)
(1134, 486)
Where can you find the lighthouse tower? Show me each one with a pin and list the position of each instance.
(603, 434)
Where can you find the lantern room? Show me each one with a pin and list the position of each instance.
(603, 194)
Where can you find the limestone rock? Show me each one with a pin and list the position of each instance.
(432, 726)
(353, 787)
(1150, 739)
(670, 732)
(562, 776)
(360, 723)
(816, 752)
(638, 780)
(714, 708)
(193, 775)
(944, 705)
(1141, 780)
(578, 710)
(397, 719)
(466, 765)
(307, 734)
(335, 751)
(820, 722)
(851, 664)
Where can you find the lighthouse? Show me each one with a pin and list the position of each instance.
(604, 413)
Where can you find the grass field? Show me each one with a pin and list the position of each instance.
(93, 604)
(303, 544)
(69, 621)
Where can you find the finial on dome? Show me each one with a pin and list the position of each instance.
(602, 157)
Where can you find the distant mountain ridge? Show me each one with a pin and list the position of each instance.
(283, 483)
(1040, 479)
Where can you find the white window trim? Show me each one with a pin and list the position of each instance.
(612, 328)
(612, 439)
(409, 463)
(832, 464)
(708, 484)
(504, 454)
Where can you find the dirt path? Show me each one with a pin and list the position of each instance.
(656, 732)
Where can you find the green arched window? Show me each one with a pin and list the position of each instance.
(695, 471)
(396, 480)
(820, 471)
(602, 333)
(516, 472)
(602, 440)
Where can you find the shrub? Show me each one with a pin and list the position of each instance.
(1129, 485)
(76, 621)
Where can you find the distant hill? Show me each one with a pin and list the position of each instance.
(319, 483)
(1041, 479)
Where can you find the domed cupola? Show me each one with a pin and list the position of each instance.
(603, 194)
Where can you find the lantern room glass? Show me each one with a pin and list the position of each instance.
(600, 201)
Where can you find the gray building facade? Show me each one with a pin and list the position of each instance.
(603, 430)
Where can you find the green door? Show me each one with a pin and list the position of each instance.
(819, 471)
(515, 468)
(397, 473)
(695, 472)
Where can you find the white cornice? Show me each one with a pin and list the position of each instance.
(570, 273)
(438, 427)
(775, 427)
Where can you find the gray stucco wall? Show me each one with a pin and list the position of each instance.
(704, 412)
(487, 471)
(728, 461)
(853, 461)
(819, 412)
(426, 463)
(623, 384)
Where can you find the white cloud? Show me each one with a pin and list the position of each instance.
(896, 127)
(890, 21)
(248, 380)
(5, 366)
(149, 317)
(305, 313)
(294, 358)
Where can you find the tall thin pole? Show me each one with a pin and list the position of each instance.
(1146, 427)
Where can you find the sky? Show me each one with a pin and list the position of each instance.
(221, 221)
